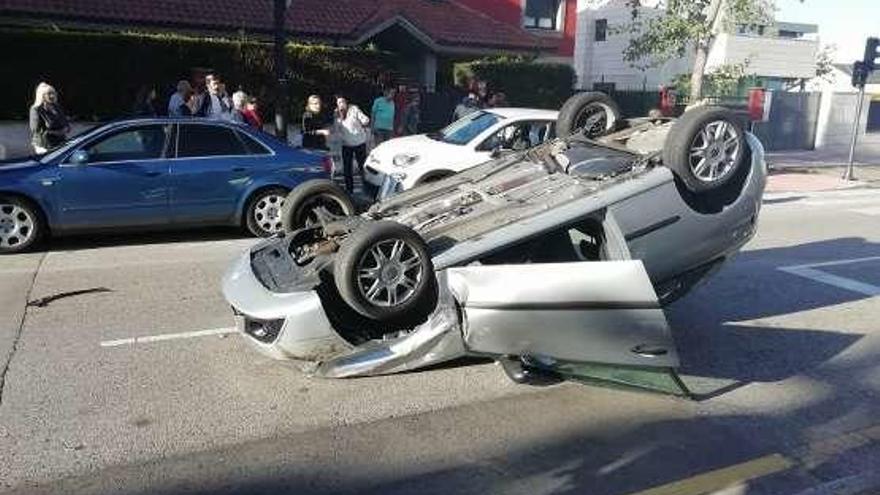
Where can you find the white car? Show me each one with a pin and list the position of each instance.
(467, 142)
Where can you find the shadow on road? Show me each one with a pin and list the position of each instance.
(131, 238)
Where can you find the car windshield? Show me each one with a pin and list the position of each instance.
(465, 129)
(72, 141)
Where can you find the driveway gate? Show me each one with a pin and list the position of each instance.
(792, 122)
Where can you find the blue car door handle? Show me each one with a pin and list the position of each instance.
(239, 169)
(153, 174)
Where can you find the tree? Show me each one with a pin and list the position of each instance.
(683, 26)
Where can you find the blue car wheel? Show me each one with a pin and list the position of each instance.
(263, 213)
(21, 225)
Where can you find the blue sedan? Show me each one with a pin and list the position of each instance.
(151, 173)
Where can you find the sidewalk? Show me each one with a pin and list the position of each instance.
(821, 170)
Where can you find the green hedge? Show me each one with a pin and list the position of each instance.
(98, 74)
(525, 82)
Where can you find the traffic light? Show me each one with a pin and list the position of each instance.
(872, 54)
(859, 74)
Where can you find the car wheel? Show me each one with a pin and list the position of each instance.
(384, 272)
(302, 204)
(591, 114)
(21, 225)
(705, 148)
(264, 212)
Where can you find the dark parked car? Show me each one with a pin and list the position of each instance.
(147, 173)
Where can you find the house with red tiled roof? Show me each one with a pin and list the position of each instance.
(431, 33)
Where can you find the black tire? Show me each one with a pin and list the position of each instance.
(22, 225)
(263, 213)
(356, 257)
(720, 160)
(298, 211)
(584, 108)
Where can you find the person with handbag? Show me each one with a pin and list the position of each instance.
(48, 124)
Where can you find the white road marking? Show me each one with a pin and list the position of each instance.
(809, 271)
(868, 211)
(849, 261)
(168, 336)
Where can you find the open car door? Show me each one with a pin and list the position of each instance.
(584, 312)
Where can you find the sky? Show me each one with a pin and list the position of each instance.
(846, 23)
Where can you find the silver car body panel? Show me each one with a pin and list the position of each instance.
(601, 312)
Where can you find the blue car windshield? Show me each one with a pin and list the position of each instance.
(71, 141)
(465, 129)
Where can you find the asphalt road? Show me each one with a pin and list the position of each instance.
(782, 357)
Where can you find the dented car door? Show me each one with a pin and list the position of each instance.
(588, 312)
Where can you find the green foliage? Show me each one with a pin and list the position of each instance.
(525, 82)
(98, 74)
(726, 81)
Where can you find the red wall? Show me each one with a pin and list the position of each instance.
(510, 11)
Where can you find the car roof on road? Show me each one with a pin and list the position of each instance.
(524, 113)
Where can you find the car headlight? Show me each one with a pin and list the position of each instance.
(405, 159)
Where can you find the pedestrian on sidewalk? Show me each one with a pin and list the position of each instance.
(239, 100)
(146, 102)
(48, 124)
(177, 104)
(412, 115)
(215, 104)
(351, 125)
(251, 113)
(383, 117)
(315, 124)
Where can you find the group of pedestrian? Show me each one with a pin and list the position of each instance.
(478, 97)
(390, 116)
(211, 100)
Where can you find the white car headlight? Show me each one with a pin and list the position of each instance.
(405, 159)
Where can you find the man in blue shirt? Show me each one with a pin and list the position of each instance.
(383, 116)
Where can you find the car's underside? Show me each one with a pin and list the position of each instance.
(555, 254)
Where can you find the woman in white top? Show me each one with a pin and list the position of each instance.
(351, 125)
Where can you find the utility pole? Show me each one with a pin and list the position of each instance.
(281, 82)
(861, 70)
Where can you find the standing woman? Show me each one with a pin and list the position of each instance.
(315, 125)
(48, 123)
(351, 124)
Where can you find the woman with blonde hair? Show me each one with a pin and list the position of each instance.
(48, 123)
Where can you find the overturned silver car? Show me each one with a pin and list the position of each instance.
(559, 255)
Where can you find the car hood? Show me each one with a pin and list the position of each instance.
(18, 164)
(438, 152)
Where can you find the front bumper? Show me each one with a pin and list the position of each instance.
(295, 327)
(290, 326)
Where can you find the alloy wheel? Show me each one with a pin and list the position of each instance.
(267, 212)
(389, 272)
(715, 151)
(17, 225)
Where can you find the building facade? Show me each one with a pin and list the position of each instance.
(778, 55)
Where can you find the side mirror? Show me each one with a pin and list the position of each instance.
(79, 157)
(496, 151)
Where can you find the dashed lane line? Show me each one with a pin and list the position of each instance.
(168, 336)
